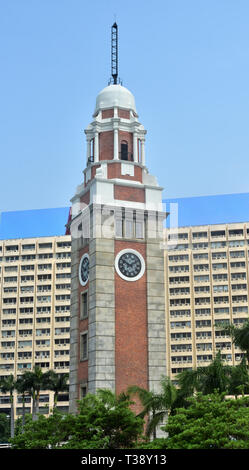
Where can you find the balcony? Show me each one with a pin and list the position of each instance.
(203, 362)
(218, 235)
(8, 326)
(173, 294)
(181, 361)
(25, 334)
(180, 340)
(236, 233)
(63, 356)
(8, 347)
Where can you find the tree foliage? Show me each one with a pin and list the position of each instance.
(210, 422)
(156, 406)
(104, 421)
(217, 376)
(7, 385)
(240, 337)
(4, 428)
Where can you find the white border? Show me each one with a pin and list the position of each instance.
(81, 261)
(129, 250)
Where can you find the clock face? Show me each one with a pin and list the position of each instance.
(130, 265)
(84, 269)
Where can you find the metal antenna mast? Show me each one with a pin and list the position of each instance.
(114, 53)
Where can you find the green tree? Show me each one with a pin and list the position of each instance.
(188, 383)
(7, 385)
(108, 418)
(43, 433)
(57, 383)
(156, 406)
(210, 422)
(239, 379)
(240, 337)
(216, 376)
(4, 428)
(22, 387)
(35, 382)
(104, 421)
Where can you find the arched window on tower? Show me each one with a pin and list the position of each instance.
(124, 150)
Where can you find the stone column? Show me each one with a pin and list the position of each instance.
(135, 156)
(142, 152)
(88, 155)
(115, 144)
(101, 322)
(96, 147)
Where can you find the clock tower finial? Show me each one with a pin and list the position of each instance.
(114, 53)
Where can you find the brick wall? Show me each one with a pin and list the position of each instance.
(123, 113)
(125, 193)
(114, 171)
(131, 343)
(106, 145)
(107, 113)
(85, 198)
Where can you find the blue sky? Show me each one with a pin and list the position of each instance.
(200, 210)
(33, 223)
(187, 63)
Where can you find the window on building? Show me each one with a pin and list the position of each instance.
(201, 278)
(83, 390)
(118, 227)
(139, 229)
(84, 346)
(84, 304)
(220, 288)
(219, 255)
(236, 232)
(43, 246)
(124, 150)
(28, 247)
(199, 234)
(218, 244)
(218, 233)
(129, 228)
(200, 255)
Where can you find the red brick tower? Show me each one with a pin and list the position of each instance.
(117, 307)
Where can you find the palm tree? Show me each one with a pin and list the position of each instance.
(188, 384)
(22, 387)
(7, 385)
(216, 376)
(57, 383)
(239, 380)
(155, 405)
(188, 381)
(35, 383)
(240, 337)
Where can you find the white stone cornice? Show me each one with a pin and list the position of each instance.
(81, 190)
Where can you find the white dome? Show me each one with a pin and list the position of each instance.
(115, 96)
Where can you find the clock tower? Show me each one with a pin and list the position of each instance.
(118, 296)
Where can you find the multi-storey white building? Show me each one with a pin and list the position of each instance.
(206, 283)
(35, 288)
(206, 276)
